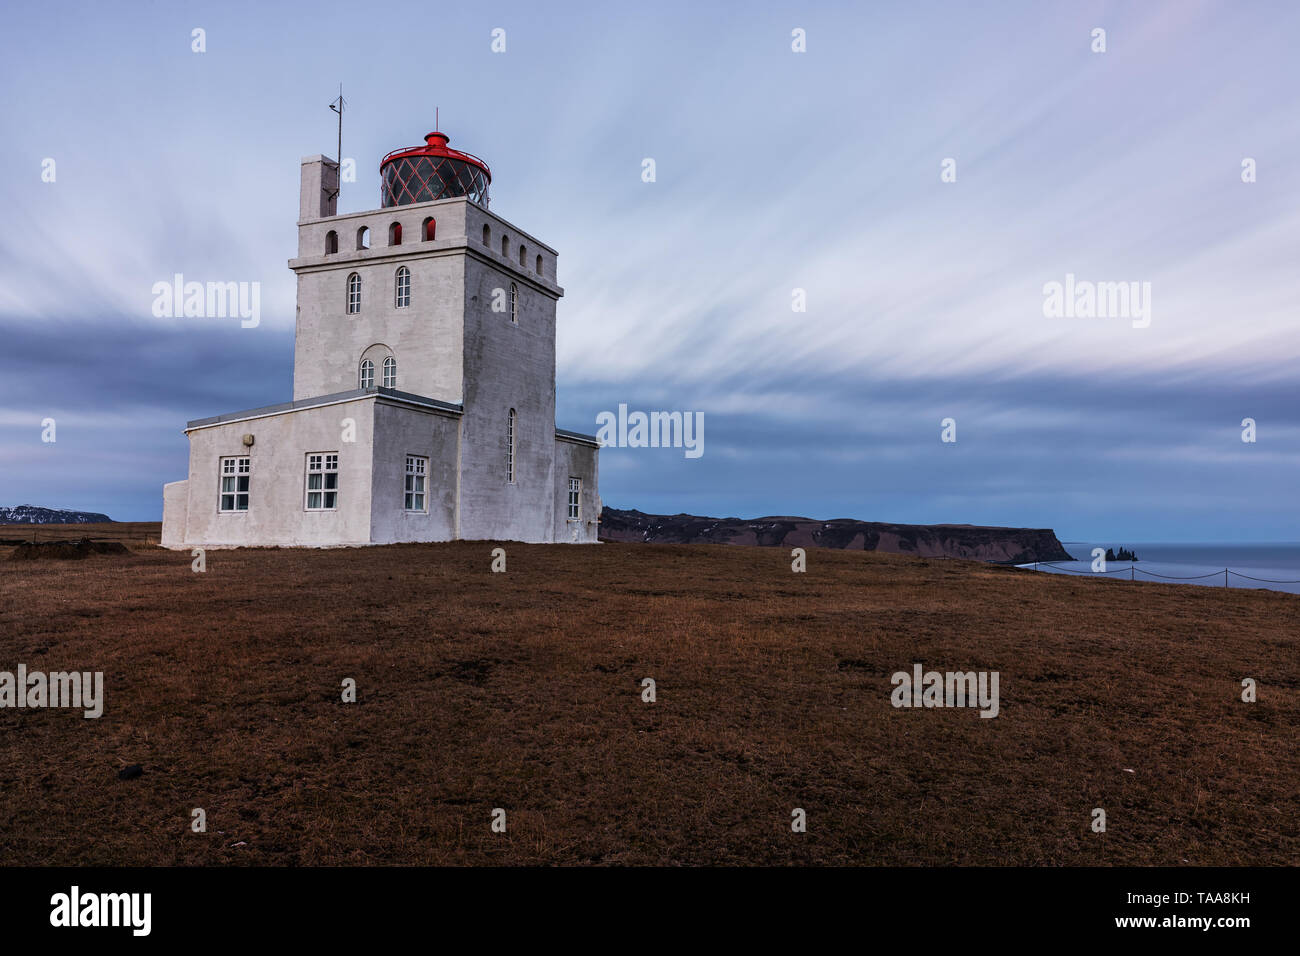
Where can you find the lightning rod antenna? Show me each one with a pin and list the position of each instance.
(337, 106)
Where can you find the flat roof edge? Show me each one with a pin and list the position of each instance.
(578, 437)
(301, 404)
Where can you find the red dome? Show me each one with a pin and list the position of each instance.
(418, 174)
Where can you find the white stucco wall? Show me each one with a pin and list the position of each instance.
(175, 503)
(578, 460)
(401, 431)
(507, 365)
(277, 513)
(425, 337)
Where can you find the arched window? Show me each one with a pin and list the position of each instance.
(539, 265)
(363, 237)
(510, 446)
(430, 229)
(378, 366)
(514, 303)
(402, 288)
(522, 257)
(354, 294)
(331, 242)
(395, 234)
(487, 234)
(505, 247)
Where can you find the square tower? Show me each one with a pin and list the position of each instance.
(424, 337)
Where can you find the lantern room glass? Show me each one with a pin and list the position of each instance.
(416, 179)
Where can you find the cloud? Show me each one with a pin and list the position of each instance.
(776, 171)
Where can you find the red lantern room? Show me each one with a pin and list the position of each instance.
(432, 171)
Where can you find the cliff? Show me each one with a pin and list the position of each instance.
(997, 545)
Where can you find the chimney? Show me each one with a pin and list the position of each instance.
(319, 195)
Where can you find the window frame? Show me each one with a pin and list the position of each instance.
(514, 304)
(366, 376)
(390, 372)
(575, 498)
(402, 288)
(242, 467)
(416, 473)
(319, 463)
(353, 299)
(510, 447)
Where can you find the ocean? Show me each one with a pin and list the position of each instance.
(1275, 567)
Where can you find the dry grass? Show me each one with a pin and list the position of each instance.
(128, 532)
(522, 691)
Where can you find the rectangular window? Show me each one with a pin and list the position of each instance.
(234, 484)
(575, 498)
(323, 481)
(416, 469)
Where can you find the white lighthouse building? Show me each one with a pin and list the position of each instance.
(423, 385)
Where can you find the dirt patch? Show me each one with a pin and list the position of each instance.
(472, 672)
(65, 550)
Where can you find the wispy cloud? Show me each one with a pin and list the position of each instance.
(775, 171)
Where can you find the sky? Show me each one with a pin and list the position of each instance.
(779, 175)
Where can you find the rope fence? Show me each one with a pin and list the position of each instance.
(1133, 569)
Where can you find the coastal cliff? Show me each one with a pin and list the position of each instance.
(997, 545)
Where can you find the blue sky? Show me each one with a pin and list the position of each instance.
(775, 170)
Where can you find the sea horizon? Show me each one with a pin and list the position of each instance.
(1267, 566)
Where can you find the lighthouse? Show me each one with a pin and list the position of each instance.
(423, 401)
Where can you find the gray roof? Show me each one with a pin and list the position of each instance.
(576, 436)
(376, 391)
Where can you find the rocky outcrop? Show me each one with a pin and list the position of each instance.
(31, 514)
(998, 545)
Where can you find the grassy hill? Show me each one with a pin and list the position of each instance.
(523, 691)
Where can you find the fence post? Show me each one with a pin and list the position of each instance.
(1225, 577)
(1130, 572)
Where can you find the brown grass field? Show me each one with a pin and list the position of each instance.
(128, 532)
(522, 691)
